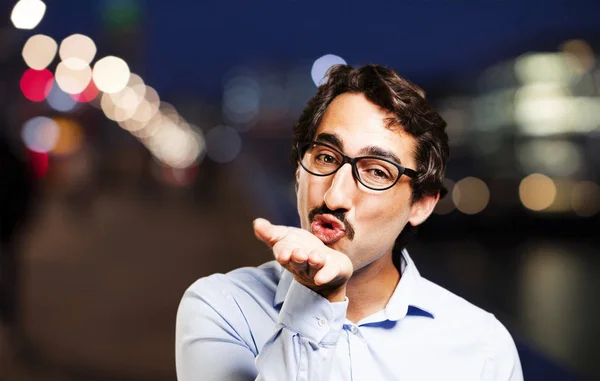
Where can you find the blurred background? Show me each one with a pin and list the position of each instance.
(139, 138)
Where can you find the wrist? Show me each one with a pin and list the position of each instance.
(333, 295)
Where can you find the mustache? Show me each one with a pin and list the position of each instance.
(340, 214)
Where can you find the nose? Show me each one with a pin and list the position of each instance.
(340, 192)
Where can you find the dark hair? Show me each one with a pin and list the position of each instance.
(410, 111)
(404, 100)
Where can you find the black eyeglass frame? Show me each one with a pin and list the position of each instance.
(302, 146)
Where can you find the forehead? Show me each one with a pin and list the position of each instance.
(358, 123)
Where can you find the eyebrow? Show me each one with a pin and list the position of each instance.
(333, 140)
(377, 151)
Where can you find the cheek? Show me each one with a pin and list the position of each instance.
(309, 194)
(384, 216)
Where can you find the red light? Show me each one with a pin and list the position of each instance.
(179, 176)
(36, 84)
(39, 163)
(87, 95)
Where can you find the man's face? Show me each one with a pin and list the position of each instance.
(373, 218)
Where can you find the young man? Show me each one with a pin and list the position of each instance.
(343, 300)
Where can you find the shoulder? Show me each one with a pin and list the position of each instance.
(448, 306)
(460, 316)
(475, 326)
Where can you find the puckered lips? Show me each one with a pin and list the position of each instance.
(327, 228)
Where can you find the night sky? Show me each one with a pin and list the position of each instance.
(188, 45)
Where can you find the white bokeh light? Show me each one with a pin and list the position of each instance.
(27, 14)
(174, 145)
(39, 51)
(73, 75)
(112, 111)
(78, 46)
(322, 65)
(111, 74)
(40, 134)
(132, 95)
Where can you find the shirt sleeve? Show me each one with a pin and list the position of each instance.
(209, 348)
(504, 364)
(305, 339)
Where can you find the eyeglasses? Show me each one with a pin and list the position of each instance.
(373, 172)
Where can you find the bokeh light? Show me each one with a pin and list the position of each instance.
(144, 112)
(27, 14)
(169, 111)
(241, 98)
(70, 137)
(39, 51)
(223, 144)
(78, 46)
(537, 192)
(580, 55)
(132, 95)
(36, 84)
(175, 146)
(60, 101)
(471, 195)
(144, 130)
(132, 125)
(148, 107)
(585, 198)
(40, 134)
(73, 75)
(322, 65)
(179, 176)
(111, 74)
(543, 109)
(555, 157)
(126, 99)
(88, 94)
(39, 163)
(543, 68)
(112, 111)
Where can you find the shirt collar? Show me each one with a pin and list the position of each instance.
(405, 301)
(408, 298)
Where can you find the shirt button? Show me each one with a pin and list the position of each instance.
(322, 322)
(354, 329)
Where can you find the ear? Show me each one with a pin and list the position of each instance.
(297, 177)
(422, 209)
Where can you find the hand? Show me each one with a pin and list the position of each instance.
(314, 265)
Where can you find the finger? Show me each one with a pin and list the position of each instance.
(316, 261)
(267, 232)
(282, 253)
(328, 273)
(298, 261)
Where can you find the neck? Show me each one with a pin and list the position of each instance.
(370, 288)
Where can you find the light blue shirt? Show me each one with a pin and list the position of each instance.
(260, 324)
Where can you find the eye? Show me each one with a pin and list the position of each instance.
(379, 173)
(326, 158)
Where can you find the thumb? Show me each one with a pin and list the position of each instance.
(267, 232)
